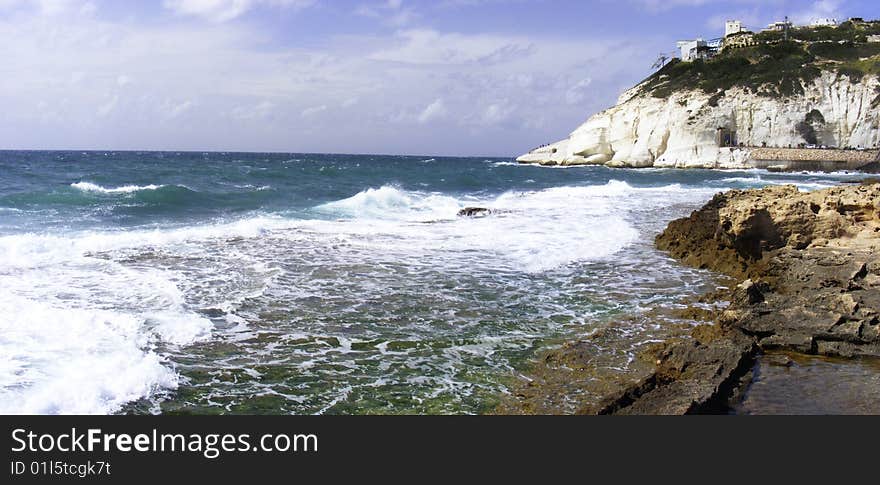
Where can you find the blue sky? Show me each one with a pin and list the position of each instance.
(448, 77)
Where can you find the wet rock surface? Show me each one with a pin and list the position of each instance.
(808, 266)
(474, 212)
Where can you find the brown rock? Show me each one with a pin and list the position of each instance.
(809, 266)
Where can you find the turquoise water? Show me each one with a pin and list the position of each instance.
(294, 283)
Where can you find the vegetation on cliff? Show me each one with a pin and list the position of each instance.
(776, 67)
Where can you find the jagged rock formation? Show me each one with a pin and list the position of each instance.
(814, 288)
(808, 266)
(812, 259)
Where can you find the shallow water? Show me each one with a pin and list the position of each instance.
(290, 283)
(787, 383)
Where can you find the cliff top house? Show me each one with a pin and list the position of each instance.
(826, 22)
(732, 27)
(691, 50)
(736, 35)
(779, 26)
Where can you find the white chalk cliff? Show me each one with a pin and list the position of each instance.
(680, 131)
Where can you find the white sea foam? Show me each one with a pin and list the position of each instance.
(79, 335)
(29, 249)
(534, 231)
(744, 180)
(251, 186)
(81, 328)
(806, 186)
(92, 309)
(388, 202)
(758, 181)
(125, 189)
(59, 360)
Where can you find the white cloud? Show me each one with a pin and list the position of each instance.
(391, 12)
(173, 110)
(313, 110)
(752, 20)
(88, 8)
(578, 92)
(108, 107)
(432, 112)
(427, 46)
(76, 77)
(497, 113)
(51, 7)
(663, 5)
(192, 85)
(224, 10)
(819, 10)
(258, 111)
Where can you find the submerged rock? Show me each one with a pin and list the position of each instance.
(474, 212)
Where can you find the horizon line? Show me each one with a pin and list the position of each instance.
(270, 152)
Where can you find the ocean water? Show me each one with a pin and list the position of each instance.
(160, 282)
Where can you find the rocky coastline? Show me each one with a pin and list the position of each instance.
(805, 273)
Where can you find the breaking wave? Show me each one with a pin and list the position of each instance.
(125, 189)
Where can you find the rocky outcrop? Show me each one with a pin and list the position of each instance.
(808, 271)
(813, 286)
(736, 231)
(692, 376)
(812, 259)
(682, 130)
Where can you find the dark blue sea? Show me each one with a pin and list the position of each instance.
(163, 282)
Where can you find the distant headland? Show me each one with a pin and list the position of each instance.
(786, 97)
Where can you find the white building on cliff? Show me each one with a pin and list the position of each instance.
(827, 22)
(692, 50)
(732, 27)
(780, 26)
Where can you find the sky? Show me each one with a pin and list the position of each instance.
(444, 77)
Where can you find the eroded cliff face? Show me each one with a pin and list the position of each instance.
(683, 130)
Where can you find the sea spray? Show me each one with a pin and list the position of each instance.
(180, 282)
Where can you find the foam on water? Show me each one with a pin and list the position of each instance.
(30, 249)
(534, 231)
(61, 360)
(82, 329)
(758, 181)
(380, 300)
(105, 303)
(125, 189)
(392, 203)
